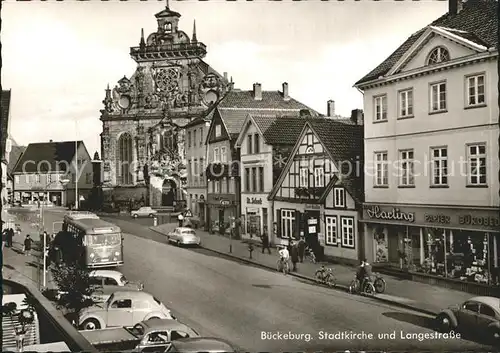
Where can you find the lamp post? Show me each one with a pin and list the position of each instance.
(44, 233)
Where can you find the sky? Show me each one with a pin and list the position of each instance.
(58, 57)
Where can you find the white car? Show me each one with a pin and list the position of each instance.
(184, 236)
(125, 308)
(110, 281)
(143, 212)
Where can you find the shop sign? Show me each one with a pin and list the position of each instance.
(479, 221)
(313, 207)
(393, 215)
(254, 201)
(225, 202)
(437, 218)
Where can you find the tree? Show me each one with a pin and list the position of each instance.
(75, 288)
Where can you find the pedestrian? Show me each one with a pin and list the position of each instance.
(301, 246)
(27, 245)
(4, 238)
(10, 237)
(265, 241)
(294, 255)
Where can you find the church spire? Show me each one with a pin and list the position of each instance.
(142, 43)
(194, 40)
(168, 7)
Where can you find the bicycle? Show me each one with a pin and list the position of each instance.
(282, 265)
(368, 287)
(326, 276)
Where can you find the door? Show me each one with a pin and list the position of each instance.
(312, 229)
(467, 317)
(120, 313)
(141, 308)
(221, 221)
(486, 316)
(393, 245)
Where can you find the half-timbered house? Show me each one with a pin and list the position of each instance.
(319, 193)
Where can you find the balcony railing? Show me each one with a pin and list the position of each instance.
(194, 48)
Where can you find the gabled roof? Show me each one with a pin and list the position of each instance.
(4, 125)
(343, 143)
(235, 106)
(271, 100)
(14, 156)
(476, 22)
(45, 157)
(275, 129)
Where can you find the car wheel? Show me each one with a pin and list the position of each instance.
(495, 335)
(91, 324)
(444, 323)
(151, 215)
(135, 216)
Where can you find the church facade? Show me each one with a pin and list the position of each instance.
(142, 139)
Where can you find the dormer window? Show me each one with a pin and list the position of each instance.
(438, 55)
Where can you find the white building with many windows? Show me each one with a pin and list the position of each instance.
(431, 148)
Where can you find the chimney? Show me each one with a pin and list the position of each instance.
(330, 108)
(454, 6)
(225, 76)
(357, 116)
(257, 91)
(286, 97)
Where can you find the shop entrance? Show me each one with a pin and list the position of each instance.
(312, 226)
(393, 241)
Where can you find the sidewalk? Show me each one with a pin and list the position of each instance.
(30, 267)
(414, 295)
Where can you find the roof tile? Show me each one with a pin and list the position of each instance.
(46, 157)
(478, 18)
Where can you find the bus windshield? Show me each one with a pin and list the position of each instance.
(103, 239)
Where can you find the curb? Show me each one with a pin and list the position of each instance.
(310, 279)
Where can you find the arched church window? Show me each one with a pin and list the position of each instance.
(168, 27)
(125, 159)
(438, 55)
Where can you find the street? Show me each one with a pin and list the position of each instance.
(256, 309)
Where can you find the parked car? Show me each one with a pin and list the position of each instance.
(200, 344)
(478, 315)
(143, 212)
(110, 281)
(146, 336)
(123, 308)
(184, 236)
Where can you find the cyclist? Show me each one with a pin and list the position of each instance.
(364, 273)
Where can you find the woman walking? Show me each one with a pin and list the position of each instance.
(27, 245)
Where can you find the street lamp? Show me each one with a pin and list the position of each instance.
(44, 234)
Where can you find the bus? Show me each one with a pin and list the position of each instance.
(87, 239)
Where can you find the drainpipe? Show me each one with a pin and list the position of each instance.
(271, 231)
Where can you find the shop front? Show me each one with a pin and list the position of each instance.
(459, 243)
(221, 211)
(255, 218)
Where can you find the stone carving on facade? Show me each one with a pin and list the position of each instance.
(124, 86)
(210, 89)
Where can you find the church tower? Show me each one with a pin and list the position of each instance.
(142, 142)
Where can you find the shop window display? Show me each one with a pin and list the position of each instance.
(459, 255)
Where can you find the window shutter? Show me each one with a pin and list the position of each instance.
(278, 222)
(298, 223)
